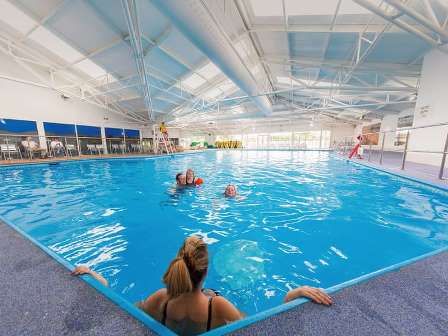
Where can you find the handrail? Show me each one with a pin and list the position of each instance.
(344, 144)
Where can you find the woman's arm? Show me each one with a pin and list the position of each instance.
(151, 305)
(80, 270)
(314, 294)
(225, 312)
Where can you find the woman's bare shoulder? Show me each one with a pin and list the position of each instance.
(225, 309)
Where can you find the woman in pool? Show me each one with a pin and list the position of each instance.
(190, 179)
(184, 306)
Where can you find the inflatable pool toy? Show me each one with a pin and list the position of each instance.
(198, 181)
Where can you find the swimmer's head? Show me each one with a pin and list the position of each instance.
(190, 176)
(181, 179)
(189, 269)
(230, 191)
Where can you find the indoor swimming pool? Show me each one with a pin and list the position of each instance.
(304, 218)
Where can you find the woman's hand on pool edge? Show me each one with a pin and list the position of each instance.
(314, 294)
(80, 270)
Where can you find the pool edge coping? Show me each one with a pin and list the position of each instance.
(156, 326)
(394, 173)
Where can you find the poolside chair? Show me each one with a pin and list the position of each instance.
(92, 149)
(100, 149)
(70, 148)
(31, 147)
(115, 148)
(56, 148)
(136, 148)
(7, 149)
(123, 148)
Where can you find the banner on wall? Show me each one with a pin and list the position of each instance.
(134, 134)
(88, 131)
(55, 129)
(405, 121)
(18, 127)
(114, 132)
(371, 134)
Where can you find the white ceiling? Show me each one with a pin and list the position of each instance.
(331, 60)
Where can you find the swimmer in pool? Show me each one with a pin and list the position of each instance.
(184, 306)
(230, 191)
(181, 180)
(190, 179)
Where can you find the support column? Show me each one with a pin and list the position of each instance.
(389, 123)
(103, 139)
(430, 109)
(41, 134)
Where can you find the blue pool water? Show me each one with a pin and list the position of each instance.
(308, 218)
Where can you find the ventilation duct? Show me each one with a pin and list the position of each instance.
(194, 20)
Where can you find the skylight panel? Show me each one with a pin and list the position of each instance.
(194, 81)
(227, 86)
(56, 45)
(213, 93)
(350, 7)
(209, 71)
(310, 7)
(267, 8)
(14, 17)
(305, 7)
(90, 68)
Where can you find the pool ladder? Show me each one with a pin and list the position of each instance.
(161, 143)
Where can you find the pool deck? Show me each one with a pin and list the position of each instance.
(40, 297)
(410, 301)
(392, 163)
(12, 162)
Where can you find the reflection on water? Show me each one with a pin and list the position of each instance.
(306, 219)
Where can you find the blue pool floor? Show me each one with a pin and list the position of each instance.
(39, 297)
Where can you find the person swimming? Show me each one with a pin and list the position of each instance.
(190, 178)
(230, 191)
(181, 180)
(184, 306)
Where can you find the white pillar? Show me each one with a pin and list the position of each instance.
(431, 108)
(389, 123)
(320, 139)
(103, 139)
(41, 134)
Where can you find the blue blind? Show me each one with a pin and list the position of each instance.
(114, 132)
(16, 126)
(59, 129)
(88, 131)
(132, 133)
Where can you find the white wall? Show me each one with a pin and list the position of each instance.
(389, 123)
(23, 101)
(341, 133)
(433, 95)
